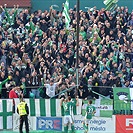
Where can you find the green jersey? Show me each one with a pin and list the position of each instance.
(68, 107)
(89, 111)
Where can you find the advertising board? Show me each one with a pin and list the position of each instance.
(96, 125)
(124, 123)
(49, 123)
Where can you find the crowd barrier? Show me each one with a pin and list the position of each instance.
(46, 114)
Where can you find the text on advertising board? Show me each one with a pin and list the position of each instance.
(49, 123)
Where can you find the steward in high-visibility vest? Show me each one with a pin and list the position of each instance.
(23, 111)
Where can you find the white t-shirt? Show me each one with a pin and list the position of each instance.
(50, 90)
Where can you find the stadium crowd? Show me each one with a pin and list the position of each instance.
(39, 52)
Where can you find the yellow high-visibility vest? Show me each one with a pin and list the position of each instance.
(21, 108)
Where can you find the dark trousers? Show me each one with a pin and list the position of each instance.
(23, 119)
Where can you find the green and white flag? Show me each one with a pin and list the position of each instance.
(123, 98)
(65, 13)
(110, 4)
(47, 107)
(104, 107)
(6, 114)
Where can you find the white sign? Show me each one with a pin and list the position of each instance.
(96, 125)
(129, 121)
(32, 123)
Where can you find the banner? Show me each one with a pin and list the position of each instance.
(124, 123)
(104, 107)
(49, 123)
(96, 125)
(16, 123)
(123, 98)
(6, 113)
(47, 107)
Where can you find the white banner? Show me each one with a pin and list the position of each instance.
(32, 123)
(97, 124)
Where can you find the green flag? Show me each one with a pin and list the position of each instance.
(66, 13)
(123, 98)
(104, 107)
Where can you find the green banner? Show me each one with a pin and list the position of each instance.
(104, 107)
(123, 99)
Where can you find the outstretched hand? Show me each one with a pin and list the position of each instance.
(5, 5)
(9, 77)
(17, 6)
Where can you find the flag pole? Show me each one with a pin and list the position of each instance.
(100, 95)
(77, 50)
(63, 91)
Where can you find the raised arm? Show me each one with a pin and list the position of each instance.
(2, 8)
(15, 11)
(60, 81)
(6, 13)
(61, 102)
(9, 78)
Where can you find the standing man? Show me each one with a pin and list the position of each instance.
(68, 105)
(51, 87)
(23, 111)
(15, 93)
(90, 111)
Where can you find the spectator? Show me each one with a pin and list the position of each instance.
(104, 90)
(15, 93)
(35, 80)
(25, 89)
(51, 87)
